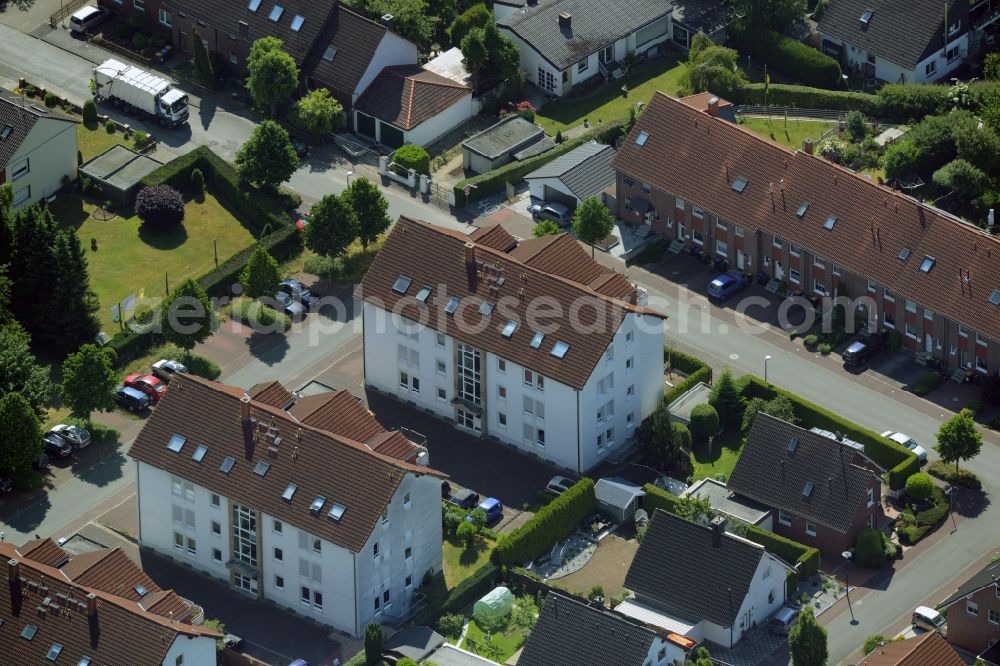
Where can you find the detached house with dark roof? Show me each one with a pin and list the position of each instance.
(701, 582)
(37, 149)
(531, 343)
(303, 501)
(822, 491)
(918, 41)
(573, 178)
(973, 612)
(566, 42)
(719, 187)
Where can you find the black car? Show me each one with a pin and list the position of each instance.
(465, 499)
(299, 292)
(865, 348)
(56, 446)
(131, 399)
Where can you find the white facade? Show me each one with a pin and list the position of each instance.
(434, 127)
(191, 651)
(935, 67)
(574, 429)
(294, 568)
(392, 50)
(44, 159)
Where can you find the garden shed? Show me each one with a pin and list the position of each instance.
(618, 498)
(118, 172)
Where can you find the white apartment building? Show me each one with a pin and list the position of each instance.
(256, 489)
(449, 328)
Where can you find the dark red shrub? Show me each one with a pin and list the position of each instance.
(160, 206)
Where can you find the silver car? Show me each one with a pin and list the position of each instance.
(166, 368)
(556, 212)
(76, 436)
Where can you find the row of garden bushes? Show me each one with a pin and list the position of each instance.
(695, 369)
(789, 56)
(491, 182)
(914, 527)
(554, 522)
(900, 462)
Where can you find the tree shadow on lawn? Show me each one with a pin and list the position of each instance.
(69, 211)
(468, 556)
(719, 456)
(162, 239)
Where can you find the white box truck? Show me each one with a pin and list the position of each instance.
(139, 92)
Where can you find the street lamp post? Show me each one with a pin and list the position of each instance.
(847, 582)
(766, 359)
(350, 174)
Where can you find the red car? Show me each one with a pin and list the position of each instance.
(147, 384)
(303, 220)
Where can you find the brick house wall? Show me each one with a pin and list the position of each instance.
(124, 8)
(975, 631)
(231, 48)
(920, 329)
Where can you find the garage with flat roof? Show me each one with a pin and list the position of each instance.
(118, 171)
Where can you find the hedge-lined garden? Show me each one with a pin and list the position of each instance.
(790, 57)
(697, 371)
(554, 522)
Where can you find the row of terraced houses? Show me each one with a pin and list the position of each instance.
(697, 178)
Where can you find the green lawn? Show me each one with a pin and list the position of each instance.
(92, 140)
(721, 459)
(499, 647)
(131, 259)
(460, 563)
(607, 102)
(791, 133)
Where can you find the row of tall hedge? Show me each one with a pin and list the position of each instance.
(695, 369)
(788, 56)
(554, 522)
(491, 182)
(470, 589)
(899, 462)
(804, 97)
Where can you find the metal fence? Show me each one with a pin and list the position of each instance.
(67, 9)
(358, 152)
(789, 111)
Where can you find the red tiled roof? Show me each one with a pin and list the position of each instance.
(407, 95)
(271, 393)
(319, 462)
(44, 551)
(699, 101)
(436, 257)
(561, 254)
(927, 649)
(495, 236)
(119, 632)
(694, 156)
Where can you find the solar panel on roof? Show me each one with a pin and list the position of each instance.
(559, 349)
(176, 443)
(402, 284)
(336, 511)
(199, 452)
(227, 464)
(261, 468)
(452, 305)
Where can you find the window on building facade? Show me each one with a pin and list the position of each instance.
(469, 375)
(784, 518)
(910, 306)
(697, 212)
(794, 277)
(794, 249)
(647, 188)
(810, 528)
(165, 18)
(911, 331)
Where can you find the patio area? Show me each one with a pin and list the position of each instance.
(607, 567)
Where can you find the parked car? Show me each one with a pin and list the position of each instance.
(929, 619)
(783, 620)
(907, 442)
(865, 348)
(147, 384)
(75, 435)
(727, 284)
(56, 446)
(289, 305)
(299, 292)
(557, 485)
(131, 399)
(233, 642)
(86, 18)
(303, 220)
(41, 462)
(299, 662)
(166, 368)
(6, 485)
(464, 498)
(493, 509)
(556, 212)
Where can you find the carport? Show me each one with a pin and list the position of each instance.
(618, 498)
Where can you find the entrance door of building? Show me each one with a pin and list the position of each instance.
(928, 343)
(779, 272)
(740, 260)
(681, 232)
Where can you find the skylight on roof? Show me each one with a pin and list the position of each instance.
(29, 631)
(297, 22)
(254, 5)
(452, 305)
(995, 297)
(904, 254)
(227, 464)
(559, 349)
(485, 308)
(276, 13)
(54, 652)
(801, 212)
(536, 341)
(423, 294)
(176, 443)
(84, 661)
(140, 590)
(807, 490)
(317, 504)
(199, 453)
(792, 443)
(739, 184)
(867, 17)
(830, 223)
(402, 284)
(509, 328)
(289, 492)
(329, 54)
(641, 139)
(927, 264)
(5, 132)
(336, 512)
(261, 468)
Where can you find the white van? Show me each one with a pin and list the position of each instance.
(929, 619)
(86, 18)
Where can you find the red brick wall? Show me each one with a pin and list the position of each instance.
(975, 632)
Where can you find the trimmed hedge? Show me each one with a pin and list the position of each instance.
(910, 102)
(793, 58)
(554, 522)
(696, 370)
(678, 360)
(658, 498)
(470, 590)
(900, 462)
(491, 182)
(804, 97)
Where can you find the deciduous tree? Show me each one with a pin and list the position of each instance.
(475, 16)
(712, 68)
(958, 438)
(273, 74)
(267, 158)
(333, 226)
(370, 207)
(88, 381)
(22, 437)
(411, 18)
(261, 276)
(318, 113)
(775, 14)
(187, 318)
(592, 222)
(545, 228)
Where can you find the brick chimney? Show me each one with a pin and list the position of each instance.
(95, 628)
(245, 407)
(565, 20)
(247, 424)
(718, 525)
(14, 583)
(713, 107)
(807, 146)
(389, 21)
(470, 265)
